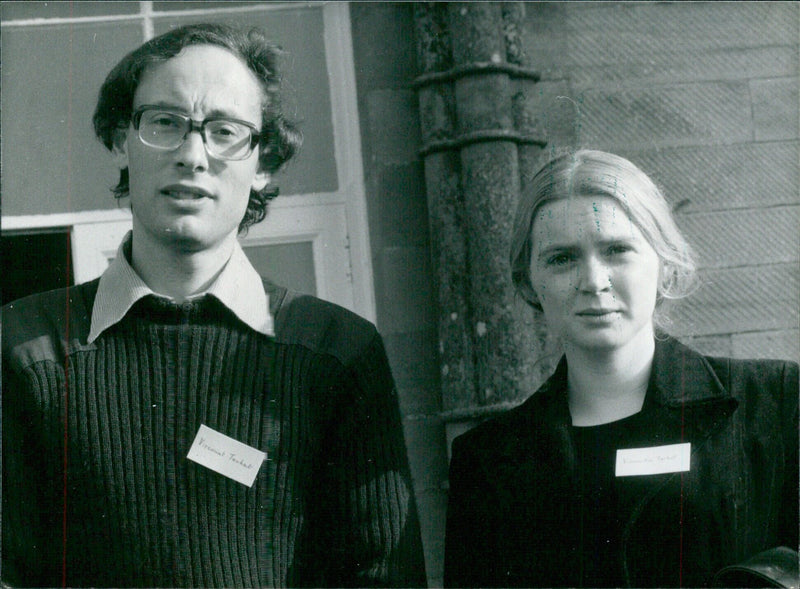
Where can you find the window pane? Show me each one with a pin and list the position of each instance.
(286, 264)
(52, 162)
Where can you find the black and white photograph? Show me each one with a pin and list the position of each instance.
(399, 294)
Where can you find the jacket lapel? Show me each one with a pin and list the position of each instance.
(681, 376)
(686, 402)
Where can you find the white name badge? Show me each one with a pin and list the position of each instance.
(655, 460)
(226, 456)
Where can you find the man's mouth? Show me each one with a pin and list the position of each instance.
(185, 193)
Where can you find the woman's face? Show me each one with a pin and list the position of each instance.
(595, 274)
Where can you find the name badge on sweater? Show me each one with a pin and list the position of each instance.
(655, 460)
(226, 456)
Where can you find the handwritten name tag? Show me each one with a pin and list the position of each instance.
(655, 460)
(226, 456)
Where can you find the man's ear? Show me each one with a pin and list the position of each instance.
(119, 150)
(261, 179)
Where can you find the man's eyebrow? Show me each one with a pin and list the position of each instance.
(159, 104)
(212, 114)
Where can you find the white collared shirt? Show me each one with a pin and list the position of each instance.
(238, 287)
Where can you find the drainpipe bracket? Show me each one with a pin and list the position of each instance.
(481, 137)
(474, 69)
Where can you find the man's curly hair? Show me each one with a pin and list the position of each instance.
(280, 139)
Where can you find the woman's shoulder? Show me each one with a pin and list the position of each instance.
(746, 376)
(760, 394)
(754, 366)
(678, 366)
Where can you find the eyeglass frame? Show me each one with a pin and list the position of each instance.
(255, 134)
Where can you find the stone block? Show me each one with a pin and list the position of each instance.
(775, 108)
(393, 126)
(427, 455)
(723, 177)
(545, 39)
(744, 237)
(407, 290)
(710, 345)
(414, 360)
(547, 111)
(679, 66)
(383, 33)
(782, 344)
(740, 300)
(671, 116)
(403, 205)
(432, 507)
(620, 44)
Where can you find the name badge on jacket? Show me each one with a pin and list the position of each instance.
(654, 460)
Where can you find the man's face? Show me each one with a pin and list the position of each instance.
(184, 198)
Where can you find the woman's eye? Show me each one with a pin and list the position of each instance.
(561, 259)
(619, 248)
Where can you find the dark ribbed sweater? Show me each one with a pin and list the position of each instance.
(97, 487)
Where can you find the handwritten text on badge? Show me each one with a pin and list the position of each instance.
(226, 456)
(655, 460)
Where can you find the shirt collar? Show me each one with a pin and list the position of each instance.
(238, 287)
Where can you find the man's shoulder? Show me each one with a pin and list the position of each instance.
(52, 307)
(59, 315)
(321, 326)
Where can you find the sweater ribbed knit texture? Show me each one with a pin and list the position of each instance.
(98, 444)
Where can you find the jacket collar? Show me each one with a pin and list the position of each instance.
(680, 378)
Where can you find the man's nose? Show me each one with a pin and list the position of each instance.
(192, 152)
(593, 275)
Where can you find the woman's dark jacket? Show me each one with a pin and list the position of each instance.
(512, 517)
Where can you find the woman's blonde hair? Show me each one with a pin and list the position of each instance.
(597, 173)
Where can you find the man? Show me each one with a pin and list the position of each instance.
(180, 421)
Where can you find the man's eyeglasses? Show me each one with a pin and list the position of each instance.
(225, 139)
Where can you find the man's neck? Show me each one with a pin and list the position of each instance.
(608, 386)
(175, 273)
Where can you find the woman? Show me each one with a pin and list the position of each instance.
(639, 462)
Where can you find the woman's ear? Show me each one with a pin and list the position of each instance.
(666, 279)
